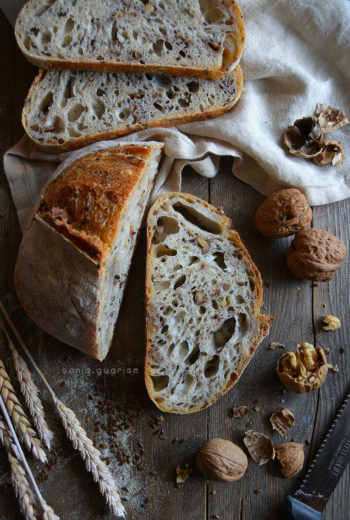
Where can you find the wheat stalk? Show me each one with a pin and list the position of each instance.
(91, 456)
(23, 427)
(77, 435)
(31, 397)
(24, 494)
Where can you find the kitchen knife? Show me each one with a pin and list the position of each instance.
(309, 501)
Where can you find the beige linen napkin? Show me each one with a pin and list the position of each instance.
(297, 54)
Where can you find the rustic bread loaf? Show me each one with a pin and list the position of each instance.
(203, 38)
(67, 110)
(203, 299)
(75, 255)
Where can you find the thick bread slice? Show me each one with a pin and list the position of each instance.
(75, 255)
(203, 299)
(196, 38)
(67, 110)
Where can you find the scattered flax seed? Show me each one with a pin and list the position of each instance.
(256, 408)
(255, 401)
(307, 442)
(175, 440)
(249, 425)
(342, 350)
(181, 441)
(159, 419)
(257, 491)
(213, 492)
(215, 517)
(88, 419)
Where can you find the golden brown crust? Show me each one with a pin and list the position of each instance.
(85, 201)
(265, 320)
(190, 72)
(82, 141)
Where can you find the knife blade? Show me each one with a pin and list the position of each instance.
(323, 475)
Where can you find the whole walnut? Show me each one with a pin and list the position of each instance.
(222, 460)
(315, 255)
(283, 213)
(291, 457)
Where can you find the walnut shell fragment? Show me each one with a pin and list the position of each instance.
(182, 474)
(330, 118)
(315, 255)
(283, 213)
(259, 446)
(220, 459)
(238, 412)
(291, 457)
(301, 143)
(306, 137)
(332, 153)
(303, 370)
(282, 420)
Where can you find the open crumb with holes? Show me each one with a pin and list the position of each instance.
(203, 304)
(203, 38)
(65, 110)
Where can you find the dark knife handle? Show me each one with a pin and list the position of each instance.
(297, 510)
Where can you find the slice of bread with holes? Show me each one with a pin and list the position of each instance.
(203, 299)
(75, 255)
(196, 38)
(67, 110)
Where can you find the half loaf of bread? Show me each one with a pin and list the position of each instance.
(202, 38)
(203, 298)
(67, 110)
(75, 255)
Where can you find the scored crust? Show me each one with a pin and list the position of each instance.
(74, 257)
(161, 120)
(154, 316)
(231, 53)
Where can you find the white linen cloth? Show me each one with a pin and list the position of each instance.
(297, 54)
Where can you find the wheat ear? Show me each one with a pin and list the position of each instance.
(77, 435)
(24, 494)
(23, 427)
(7, 441)
(91, 456)
(31, 396)
(23, 491)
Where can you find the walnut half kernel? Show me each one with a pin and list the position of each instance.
(303, 370)
(331, 322)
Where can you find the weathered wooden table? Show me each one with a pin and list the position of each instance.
(142, 446)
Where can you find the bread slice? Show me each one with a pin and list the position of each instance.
(67, 110)
(203, 299)
(75, 255)
(202, 38)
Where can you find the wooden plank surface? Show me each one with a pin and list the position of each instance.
(143, 446)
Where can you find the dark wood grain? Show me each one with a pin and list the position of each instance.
(110, 397)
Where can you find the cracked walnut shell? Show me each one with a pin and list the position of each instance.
(283, 213)
(291, 458)
(220, 459)
(303, 370)
(260, 447)
(282, 420)
(315, 255)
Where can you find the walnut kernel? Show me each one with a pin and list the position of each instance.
(282, 420)
(303, 370)
(332, 322)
